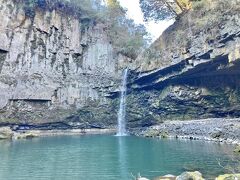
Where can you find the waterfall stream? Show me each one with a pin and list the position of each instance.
(122, 108)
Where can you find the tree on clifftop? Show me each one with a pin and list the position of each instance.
(163, 9)
(126, 36)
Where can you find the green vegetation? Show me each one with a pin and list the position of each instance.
(126, 37)
(163, 9)
(71, 7)
(203, 17)
(124, 33)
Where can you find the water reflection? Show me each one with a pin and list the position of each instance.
(108, 158)
(122, 157)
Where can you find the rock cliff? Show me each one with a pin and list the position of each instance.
(54, 68)
(193, 70)
(59, 71)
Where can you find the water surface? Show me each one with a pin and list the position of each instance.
(100, 157)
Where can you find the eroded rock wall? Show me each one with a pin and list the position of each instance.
(193, 70)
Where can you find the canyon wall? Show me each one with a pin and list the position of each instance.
(193, 70)
(54, 67)
(59, 71)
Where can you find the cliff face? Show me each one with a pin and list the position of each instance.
(53, 68)
(57, 71)
(193, 70)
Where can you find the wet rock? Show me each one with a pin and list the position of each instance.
(156, 133)
(142, 178)
(228, 177)
(164, 135)
(237, 149)
(6, 133)
(152, 133)
(190, 176)
(27, 135)
(216, 134)
(166, 177)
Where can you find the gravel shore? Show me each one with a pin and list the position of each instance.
(219, 130)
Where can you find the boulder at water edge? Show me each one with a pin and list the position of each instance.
(142, 178)
(237, 149)
(6, 133)
(166, 177)
(229, 177)
(28, 135)
(190, 176)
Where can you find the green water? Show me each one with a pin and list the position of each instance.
(106, 158)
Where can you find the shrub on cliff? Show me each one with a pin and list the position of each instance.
(125, 35)
(164, 9)
(66, 6)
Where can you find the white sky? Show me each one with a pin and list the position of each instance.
(135, 13)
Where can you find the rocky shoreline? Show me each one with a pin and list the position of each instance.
(216, 129)
(8, 133)
(192, 176)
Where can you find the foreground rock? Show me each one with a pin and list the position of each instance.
(166, 177)
(228, 177)
(190, 176)
(237, 149)
(196, 176)
(6, 133)
(221, 130)
(142, 178)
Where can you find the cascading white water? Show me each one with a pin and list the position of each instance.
(122, 108)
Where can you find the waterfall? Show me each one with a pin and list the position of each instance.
(122, 108)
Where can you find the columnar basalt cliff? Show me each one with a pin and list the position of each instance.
(55, 70)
